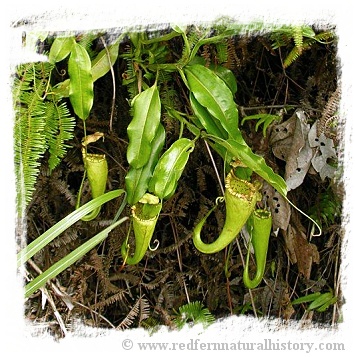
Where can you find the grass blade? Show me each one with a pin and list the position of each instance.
(70, 259)
(53, 232)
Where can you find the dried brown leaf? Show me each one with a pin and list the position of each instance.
(279, 207)
(281, 137)
(299, 250)
(299, 157)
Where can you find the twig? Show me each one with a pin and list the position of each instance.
(179, 258)
(50, 299)
(113, 83)
(214, 166)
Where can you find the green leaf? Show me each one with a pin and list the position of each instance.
(240, 150)
(328, 303)
(265, 119)
(213, 93)
(193, 312)
(81, 87)
(227, 76)
(101, 64)
(170, 167)
(60, 49)
(143, 127)
(321, 300)
(306, 298)
(210, 124)
(137, 180)
(70, 259)
(53, 232)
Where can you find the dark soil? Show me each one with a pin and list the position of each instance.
(104, 292)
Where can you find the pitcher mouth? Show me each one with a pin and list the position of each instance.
(94, 157)
(240, 188)
(137, 215)
(262, 213)
(147, 209)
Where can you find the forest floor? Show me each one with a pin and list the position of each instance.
(103, 292)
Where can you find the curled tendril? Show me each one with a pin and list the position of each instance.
(219, 200)
(157, 243)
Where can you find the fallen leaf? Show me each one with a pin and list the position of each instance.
(279, 207)
(324, 150)
(289, 142)
(281, 137)
(299, 250)
(300, 155)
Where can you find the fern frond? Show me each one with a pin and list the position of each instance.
(60, 128)
(41, 122)
(222, 51)
(291, 57)
(192, 38)
(232, 60)
(22, 82)
(141, 308)
(144, 310)
(302, 36)
(206, 54)
(168, 94)
(297, 35)
(30, 145)
(130, 79)
(193, 312)
(117, 297)
(129, 319)
(324, 37)
(327, 208)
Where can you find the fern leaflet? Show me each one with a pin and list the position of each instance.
(60, 127)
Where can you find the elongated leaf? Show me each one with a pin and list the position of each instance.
(53, 232)
(210, 124)
(101, 64)
(70, 259)
(321, 300)
(137, 180)
(222, 72)
(60, 49)
(326, 305)
(243, 152)
(143, 127)
(227, 76)
(213, 93)
(81, 87)
(170, 167)
(306, 298)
